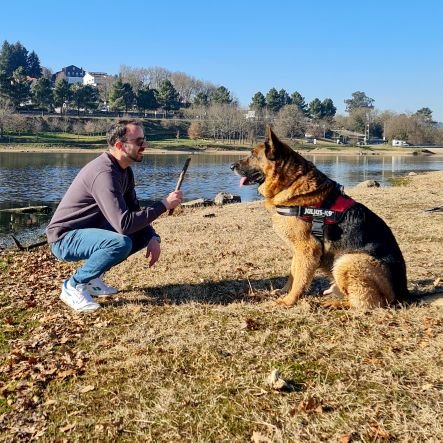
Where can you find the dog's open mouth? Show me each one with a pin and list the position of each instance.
(252, 179)
(249, 176)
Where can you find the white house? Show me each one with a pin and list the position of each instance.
(94, 78)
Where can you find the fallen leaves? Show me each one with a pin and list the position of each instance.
(377, 432)
(311, 404)
(250, 325)
(41, 334)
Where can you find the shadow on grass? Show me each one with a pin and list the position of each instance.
(423, 289)
(223, 292)
(249, 291)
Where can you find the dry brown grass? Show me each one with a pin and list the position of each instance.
(184, 351)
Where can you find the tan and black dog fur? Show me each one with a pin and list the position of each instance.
(359, 253)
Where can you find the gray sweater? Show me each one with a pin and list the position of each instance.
(102, 195)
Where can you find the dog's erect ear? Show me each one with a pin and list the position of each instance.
(272, 145)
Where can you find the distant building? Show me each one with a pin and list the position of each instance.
(250, 114)
(72, 74)
(95, 78)
(346, 136)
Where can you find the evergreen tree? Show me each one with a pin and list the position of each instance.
(258, 101)
(20, 91)
(201, 99)
(33, 68)
(13, 57)
(91, 97)
(5, 58)
(298, 100)
(273, 100)
(328, 108)
(62, 93)
(316, 109)
(84, 97)
(15, 66)
(167, 96)
(425, 115)
(284, 98)
(42, 94)
(5, 85)
(359, 100)
(146, 99)
(121, 96)
(221, 96)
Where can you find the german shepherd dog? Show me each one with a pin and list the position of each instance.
(350, 244)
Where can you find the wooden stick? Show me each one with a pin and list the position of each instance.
(180, 179)
(17, 243)
(27, 248)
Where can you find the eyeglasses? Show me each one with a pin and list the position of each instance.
(136, 141)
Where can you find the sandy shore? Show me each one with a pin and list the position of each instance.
(221, 151)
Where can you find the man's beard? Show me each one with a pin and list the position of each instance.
(134, 159)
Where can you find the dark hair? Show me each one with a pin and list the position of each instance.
(118, 130)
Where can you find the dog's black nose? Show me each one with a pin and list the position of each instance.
(233, 165)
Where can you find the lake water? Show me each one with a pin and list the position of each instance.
(43, 178)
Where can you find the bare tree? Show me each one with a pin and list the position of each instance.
(290, 122)
(136, 77)
(195, 130)
(104, 88)
(411, 128)
(204, 87)
(156, 75)
(6, 110)
(185, 85)
(225, 122)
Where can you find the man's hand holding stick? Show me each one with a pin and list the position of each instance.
(180, 179)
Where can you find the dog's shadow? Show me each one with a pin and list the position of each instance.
(232, 291)
(220, 293)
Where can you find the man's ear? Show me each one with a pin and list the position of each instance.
(118, 145)
(272, 145)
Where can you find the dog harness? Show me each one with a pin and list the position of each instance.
(329, 211)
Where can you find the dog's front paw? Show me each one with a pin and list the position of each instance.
(287, 301)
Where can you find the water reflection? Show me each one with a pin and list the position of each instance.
(42, 178)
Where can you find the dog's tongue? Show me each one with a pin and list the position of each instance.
(243, 180)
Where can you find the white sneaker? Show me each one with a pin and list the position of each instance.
(78, 298)
(98, 288)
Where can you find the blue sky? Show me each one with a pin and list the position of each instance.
(391, 50)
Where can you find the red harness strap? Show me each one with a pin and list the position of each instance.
(326, 213)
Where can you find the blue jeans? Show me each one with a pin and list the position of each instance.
(102, 249)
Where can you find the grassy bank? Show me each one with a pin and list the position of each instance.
(66, 142)
(171, 135)
(184, 351)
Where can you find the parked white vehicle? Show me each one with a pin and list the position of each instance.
(396, 142)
